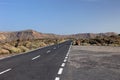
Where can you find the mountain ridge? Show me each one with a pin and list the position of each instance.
(32, 34)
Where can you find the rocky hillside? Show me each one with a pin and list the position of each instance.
(91, 35)
(24, 35)
(31, 35)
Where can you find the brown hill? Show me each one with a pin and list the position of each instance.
(24, 35)
(31, 34)
(91, 35)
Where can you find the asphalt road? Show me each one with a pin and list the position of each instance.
(42, 64)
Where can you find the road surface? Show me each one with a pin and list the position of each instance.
(42, 64)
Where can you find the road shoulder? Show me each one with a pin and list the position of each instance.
(93, 63)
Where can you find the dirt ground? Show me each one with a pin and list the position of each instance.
(92, 63)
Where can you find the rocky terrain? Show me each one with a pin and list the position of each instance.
(24, 35)
(113, 40)
(91, 35)
(31, 34)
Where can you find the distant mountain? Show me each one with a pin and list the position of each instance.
(31, 34)
(24, 35)
(91, 35)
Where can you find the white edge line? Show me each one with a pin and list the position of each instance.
(57, 78)
(60, 71)
(36, 57)
(69, 50)
(65, 60)
(66, 57)
(5, 71)
(63, 65)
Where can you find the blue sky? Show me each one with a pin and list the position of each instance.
(60, 16)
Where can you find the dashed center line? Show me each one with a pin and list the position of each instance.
(5, 71)
(48, 51)
(36, 57)
(60, 71)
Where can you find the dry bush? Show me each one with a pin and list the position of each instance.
(14, 50)
(23, 48)
(4, 51)
(28, 44)
(11, 49)
(101, 41)
(41, 44)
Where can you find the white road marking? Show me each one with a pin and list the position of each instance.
(68, 52)
(63, 65)
(69, 49)
(66, 57)
(65, 60)
(57, 78)
(36, 57)
(48, 51)
(60, 71)
(5, 71)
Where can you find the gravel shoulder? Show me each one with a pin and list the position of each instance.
(92, 63)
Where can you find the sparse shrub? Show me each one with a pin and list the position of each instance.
(34, 46)
(11, 49)
(14, 50)
(4, 51)
(28, 44)
(19, 46)
(23, 49)
(93, 41)
(6, 46)
(85, 44)
(41, 44)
